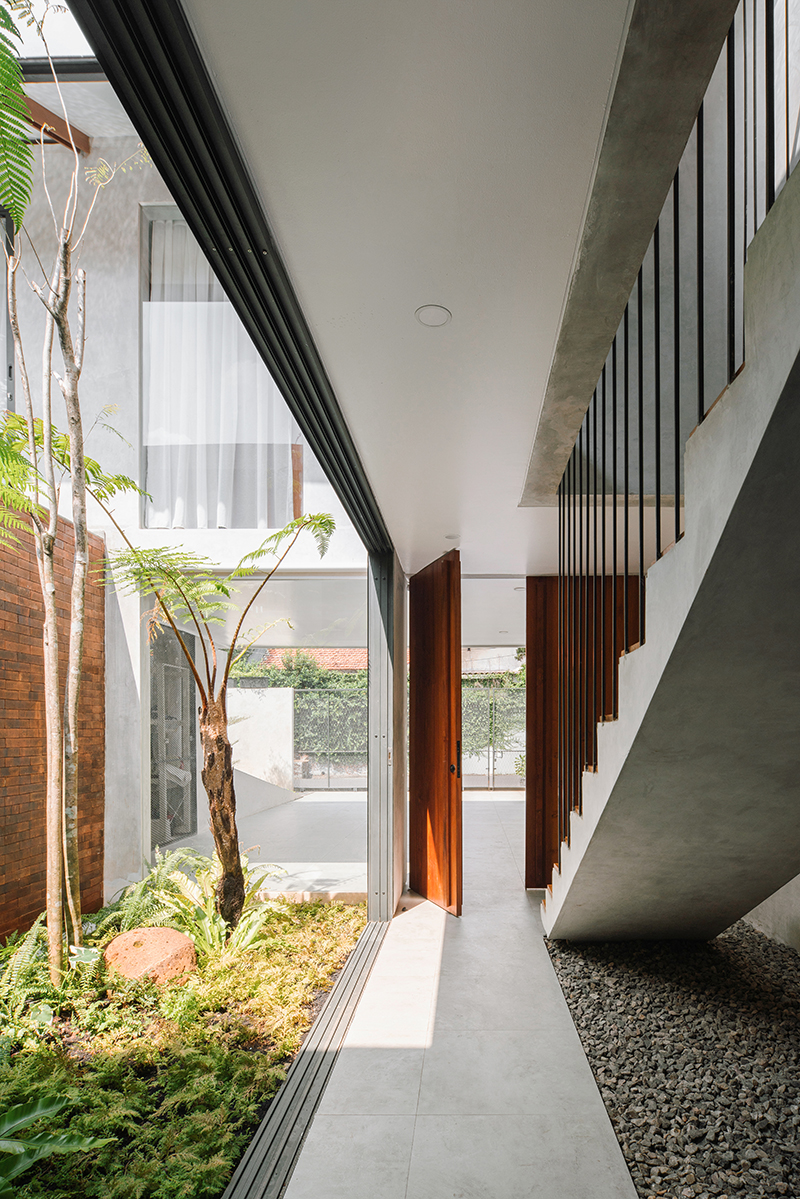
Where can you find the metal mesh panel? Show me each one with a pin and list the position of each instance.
(330, 739)
(493, 737)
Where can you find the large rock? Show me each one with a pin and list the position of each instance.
(157, 953)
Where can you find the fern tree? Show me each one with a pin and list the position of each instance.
(37, 490)
(188, 590)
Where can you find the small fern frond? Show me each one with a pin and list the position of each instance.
(16, 156)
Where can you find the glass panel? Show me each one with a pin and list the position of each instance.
(297, 711)
(218, 438)
(173, 763)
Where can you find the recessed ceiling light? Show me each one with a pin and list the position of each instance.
(502, 630)
(452, 536)
(519, 588)
(433, 315)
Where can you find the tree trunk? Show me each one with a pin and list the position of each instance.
(53, 733)
(218, 781)
(73, 356)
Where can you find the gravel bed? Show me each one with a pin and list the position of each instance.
(696, 1051)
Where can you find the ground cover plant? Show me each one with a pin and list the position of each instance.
(178, 1075)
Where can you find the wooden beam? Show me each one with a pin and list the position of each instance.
(42, 118)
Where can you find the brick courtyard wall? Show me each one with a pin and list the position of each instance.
(22, 733)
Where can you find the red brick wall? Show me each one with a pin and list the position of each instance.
(22, 739)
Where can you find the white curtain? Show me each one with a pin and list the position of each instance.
(216, 431)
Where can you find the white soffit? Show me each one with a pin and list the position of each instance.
(430, 152)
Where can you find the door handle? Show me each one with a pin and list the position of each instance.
(452, 768)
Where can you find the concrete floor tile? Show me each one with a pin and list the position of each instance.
(350, 1157)
(497, 1000)
(491, 1073)
(370, 1082)
(513, 1157)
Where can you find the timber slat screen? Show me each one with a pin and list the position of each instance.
(680, 343)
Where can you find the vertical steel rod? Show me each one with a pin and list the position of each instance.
(614, 565)
(769, 86)
(581, 623)
(731, 134)
(603, 664)
(676, 349)
(626, 510)
(560, 681)
(746, 124)
(786, 73)
(701, 299)
(640, 381)
(574, 676)
(657, 379)
(595, 605)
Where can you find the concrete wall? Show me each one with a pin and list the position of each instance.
(261, 729)
(779, 916)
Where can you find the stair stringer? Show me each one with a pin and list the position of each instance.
(655, 814)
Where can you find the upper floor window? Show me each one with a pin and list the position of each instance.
(220, 447)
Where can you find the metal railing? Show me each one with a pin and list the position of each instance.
(680, 342)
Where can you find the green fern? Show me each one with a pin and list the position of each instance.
(16, 156)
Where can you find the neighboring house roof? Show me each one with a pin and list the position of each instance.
(331, 659)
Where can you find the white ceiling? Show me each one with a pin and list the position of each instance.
(428, 152)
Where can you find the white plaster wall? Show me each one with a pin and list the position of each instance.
(261, 730)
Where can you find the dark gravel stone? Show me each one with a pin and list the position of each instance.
(696, 1051)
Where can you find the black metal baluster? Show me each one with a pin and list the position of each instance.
(560, 684)
(786, 73)
(603, 519)
(657, 379)
(731, 134)
(581, 625)
(594, 580)
(640, 381)
(745, 123)
(676, 349)
(614, 564)
(574, 673)
(701, 299)
(626, 634)
(769, 86)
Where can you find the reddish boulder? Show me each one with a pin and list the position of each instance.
(157, 953)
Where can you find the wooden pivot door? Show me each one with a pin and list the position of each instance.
(435, 732)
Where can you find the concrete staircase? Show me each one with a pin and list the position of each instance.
(693, 816)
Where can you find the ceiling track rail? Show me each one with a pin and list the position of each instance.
(150, 56)
(270, 1158)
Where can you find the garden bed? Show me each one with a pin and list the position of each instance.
(180, 1075)
(696, 1052)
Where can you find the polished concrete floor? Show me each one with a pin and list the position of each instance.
(462, 1076)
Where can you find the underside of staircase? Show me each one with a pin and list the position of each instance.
(693, 815)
